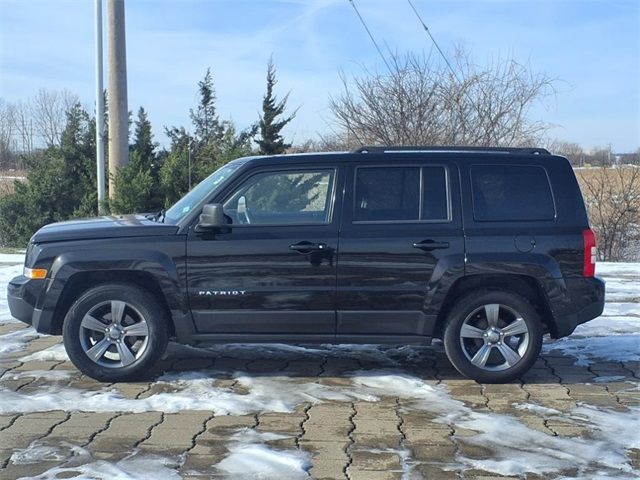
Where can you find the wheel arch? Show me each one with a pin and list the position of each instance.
(522, 285)
(73, 273)
(80, 282)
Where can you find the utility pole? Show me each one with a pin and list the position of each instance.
(118, 110)
(189, 159)
(99, 109)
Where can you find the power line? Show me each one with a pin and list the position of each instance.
(370, 34)
(426, 29)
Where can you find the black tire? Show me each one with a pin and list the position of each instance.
(141, 329)
(467, 350)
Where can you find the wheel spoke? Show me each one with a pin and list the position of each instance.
(517, 327)
(468, 331)
(92, 323)
(139, 329)
(481, 356)
(492, 312)
(126, 355)
(95, 353)
(117, 311)
(510, 355)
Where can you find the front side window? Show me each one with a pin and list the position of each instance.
(283, 198)
(511, 193)
(401, 194)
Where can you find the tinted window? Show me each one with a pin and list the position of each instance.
(393, 194)
(435, 201)
(511, 192)
(387, 193)
(283, 198)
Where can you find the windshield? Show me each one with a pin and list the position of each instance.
(201, 191)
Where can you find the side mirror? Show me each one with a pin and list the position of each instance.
(212, 217)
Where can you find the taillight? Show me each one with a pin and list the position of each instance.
(590, 252)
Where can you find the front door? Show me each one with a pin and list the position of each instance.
(401, 232)
(273, 271)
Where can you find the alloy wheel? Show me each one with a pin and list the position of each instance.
(494, 337)
(114, 334)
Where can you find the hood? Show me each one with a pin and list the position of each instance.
(103, 227)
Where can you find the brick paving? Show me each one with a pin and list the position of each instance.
(345, 439)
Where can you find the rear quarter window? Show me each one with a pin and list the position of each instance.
(511, 193)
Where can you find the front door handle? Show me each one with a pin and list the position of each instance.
(307, 247)
(428, 245)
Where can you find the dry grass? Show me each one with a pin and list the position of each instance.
(8, 178)
(612, 197)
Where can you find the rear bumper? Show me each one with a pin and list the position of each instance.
(22, 297)
(583, 301)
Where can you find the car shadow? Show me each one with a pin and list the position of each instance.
(324, 361)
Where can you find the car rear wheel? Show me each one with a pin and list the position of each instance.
(493, 337)
(115, 332)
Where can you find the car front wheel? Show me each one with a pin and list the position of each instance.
(115, 332)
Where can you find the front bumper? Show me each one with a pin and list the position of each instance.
(22, 297)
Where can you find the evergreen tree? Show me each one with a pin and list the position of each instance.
(137, 184)
(207, 125)
(174, 173)
(213, 144)
(61, 183)
(143, 144)
(271, 142)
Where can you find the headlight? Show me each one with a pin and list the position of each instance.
(35, 273)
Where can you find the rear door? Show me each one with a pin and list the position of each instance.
(401, 233)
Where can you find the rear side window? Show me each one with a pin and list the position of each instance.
(511, 193)
(411, 193)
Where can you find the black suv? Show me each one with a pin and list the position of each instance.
(487, 249)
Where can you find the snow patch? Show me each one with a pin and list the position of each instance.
(250, 459)
(186, 391)
(37, 452)
(605, 326)
(587, 350)
(540, 409)
(136, 466)
(16, 341)
(12, 258)
(56, 353)
(517, 449)
(611, 378)
(618, 309)
(51, 375)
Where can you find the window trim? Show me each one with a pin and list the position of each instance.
(311, 168)
(549, 185)
(421, 166)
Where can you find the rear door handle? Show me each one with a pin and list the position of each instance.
(428, 245)
(308, 247)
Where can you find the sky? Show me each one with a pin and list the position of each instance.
(592, 48)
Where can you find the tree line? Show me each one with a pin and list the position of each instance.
(418, 100)
(61, 175)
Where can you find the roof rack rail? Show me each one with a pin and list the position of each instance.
(379, 149)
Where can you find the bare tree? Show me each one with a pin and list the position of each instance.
(6, 135)
(421, 102)
(612, 196)
(23, 127)
(49, 109)
(573, 151)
